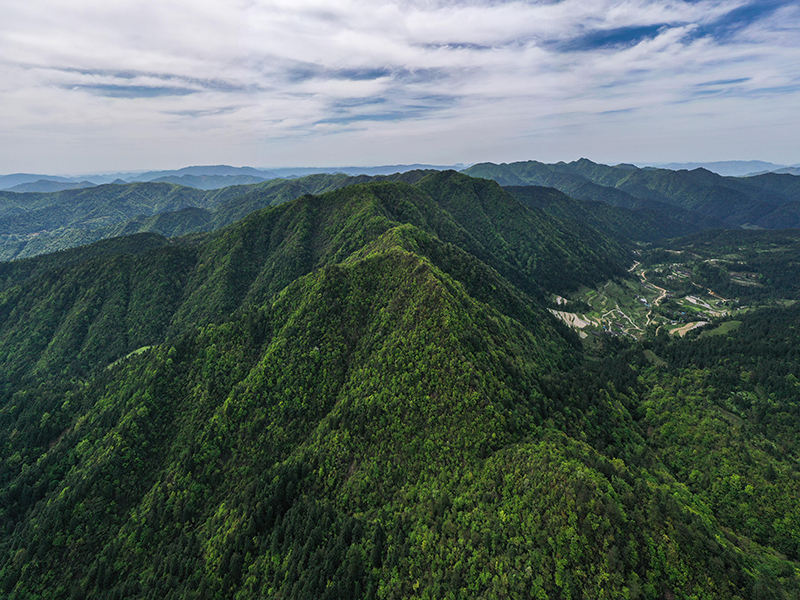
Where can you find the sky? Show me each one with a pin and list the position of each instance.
(96, 85)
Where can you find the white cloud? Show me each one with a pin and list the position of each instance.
(278, 82)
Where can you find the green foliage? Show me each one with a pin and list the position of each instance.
(621, 224)
(700, 199)
(361, 394)
(724, 419)
(753, 266)
(33, 224)
(14, 273)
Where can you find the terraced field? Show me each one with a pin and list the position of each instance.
(637, 307)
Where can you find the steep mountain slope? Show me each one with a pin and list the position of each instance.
(623, 224)
(725, 422)
(711, 198)
(169, 224)
(33, 224)
(52, 307)
(353, 395)
(16, 272)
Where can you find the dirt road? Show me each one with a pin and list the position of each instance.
(657, 301)
(682, 331)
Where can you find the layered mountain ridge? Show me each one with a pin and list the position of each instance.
(669, 202)
(697, 197)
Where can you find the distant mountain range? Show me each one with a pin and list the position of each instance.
(789, 170)
(644, 204)
(212, 177)
(38, 223)
(697, 198)
(49, 185)
(209, 177)
(732, 168)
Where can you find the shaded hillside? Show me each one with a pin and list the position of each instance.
(32, 224)
(712, 199)
(358, 394)
(209, 182)
(15, 272)
(623, 224)
(169, 224)
(52, 308)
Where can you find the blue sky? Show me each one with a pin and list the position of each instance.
(92, 85)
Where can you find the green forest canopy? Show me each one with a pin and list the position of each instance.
(361, 394)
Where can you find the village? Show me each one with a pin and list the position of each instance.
(638, 307)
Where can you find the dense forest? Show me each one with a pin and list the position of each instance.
(699, 199)
(623, 202)
(38, 223)
(362, 394)
(746, 265)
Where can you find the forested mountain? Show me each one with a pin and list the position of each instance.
(667, 203)
(59, 301)
(209, 182)
(362, 394)
(47, 185)
(622, 224)
(32, 224)
(770, 200)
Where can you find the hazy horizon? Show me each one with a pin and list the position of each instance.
(716, 166)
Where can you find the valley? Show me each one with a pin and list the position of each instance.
(637, 308)
(661, 292)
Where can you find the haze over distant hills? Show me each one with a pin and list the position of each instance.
(37, 223)
(15, 179)
(50, 185)
(201, 177)
(789, 170)
(218, 176)
(699, 197)
(654, 203)
(732, 168)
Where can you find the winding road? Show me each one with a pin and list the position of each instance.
(657, 301)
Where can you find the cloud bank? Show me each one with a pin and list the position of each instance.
(92, 85)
